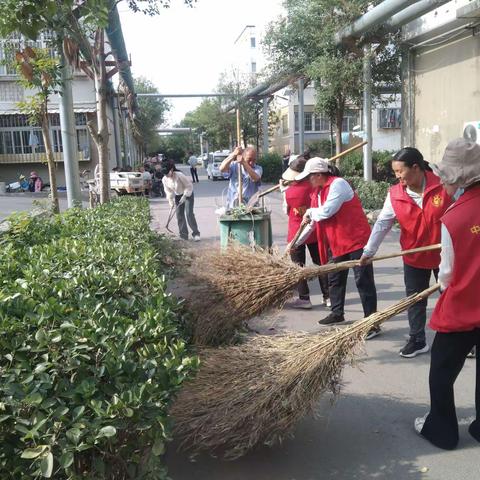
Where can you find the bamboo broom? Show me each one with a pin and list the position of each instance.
(237, 284)
(255, 393)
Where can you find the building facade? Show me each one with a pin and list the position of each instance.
(21, 145)
(386, 122)
(441, 77)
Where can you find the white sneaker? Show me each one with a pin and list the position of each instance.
(419, 423)
(301, 304)
(196, 238)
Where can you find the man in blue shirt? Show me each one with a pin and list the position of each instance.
(251, 174)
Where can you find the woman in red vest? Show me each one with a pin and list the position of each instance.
(417, 202)
(297, 199)
(456, 317)
(342, 231)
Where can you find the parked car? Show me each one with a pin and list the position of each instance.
(213, 165)
(203, 160)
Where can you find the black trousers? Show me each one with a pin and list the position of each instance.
(194, 173)
(416, 280)
(449, 351)
(299, 256)
(364, 279)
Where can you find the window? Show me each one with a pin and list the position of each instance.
(351, 118)
(285, 124)
(321, 123)
(389, 118)
(308, 121)
(296, 121)
(254, 67)
(252, 42)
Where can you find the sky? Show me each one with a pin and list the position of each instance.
(185, 50)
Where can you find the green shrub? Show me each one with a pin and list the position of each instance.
(272, 167)
(351, 165)
(91, 349)
(371, 194)
(321, 148)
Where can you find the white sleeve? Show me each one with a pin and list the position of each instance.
(447, 259)
(306, 232)
(170, 194)
(382, 226)
(187, 185)
(339, 193)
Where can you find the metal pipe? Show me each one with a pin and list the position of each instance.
(265, 126)
(69, 137)
(372, 18)
(367, 113)
(116, 127)
(301, 116)
(411, 13)
(182, 95)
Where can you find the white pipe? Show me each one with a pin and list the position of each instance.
(372, 18)
(301, 116)
(367, 113)
(413, 12)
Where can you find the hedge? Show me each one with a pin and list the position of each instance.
(272, 165)
(91, 347)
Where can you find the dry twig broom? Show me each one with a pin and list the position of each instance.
(237, 284)
(255, 393)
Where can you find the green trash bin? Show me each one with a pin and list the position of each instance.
(247, 229)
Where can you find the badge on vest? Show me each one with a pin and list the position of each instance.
(475, 229)
(437, 201)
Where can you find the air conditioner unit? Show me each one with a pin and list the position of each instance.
(471, 131)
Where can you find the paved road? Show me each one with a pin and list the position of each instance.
(368, 432)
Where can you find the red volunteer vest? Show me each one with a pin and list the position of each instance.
(458, 308)
(297, 197)
(346, 231)
(420, 227)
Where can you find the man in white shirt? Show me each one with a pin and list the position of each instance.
(192, 161)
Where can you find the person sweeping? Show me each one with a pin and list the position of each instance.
(342, 231)
(417, 202)
(297, 199)
(456, 317)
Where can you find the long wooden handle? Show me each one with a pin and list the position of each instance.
(351, 149)
(436, 246)
(311, 272)
(269, 190)
(240, 173)
(293, 241)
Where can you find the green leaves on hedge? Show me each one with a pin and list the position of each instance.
(91, 347)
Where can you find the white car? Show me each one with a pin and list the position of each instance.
(213, 165)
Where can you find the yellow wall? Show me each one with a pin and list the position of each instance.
(447, 93)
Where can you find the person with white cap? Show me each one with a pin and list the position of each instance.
(297, 200)
(456, 317)
(417, 202)
(342, 231)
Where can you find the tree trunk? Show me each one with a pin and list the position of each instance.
(50, 162)
(338, 133)
(102, 134)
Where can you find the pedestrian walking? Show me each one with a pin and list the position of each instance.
(342, 231)
(193, 161)
(179, 191)
(417, 202)
(246, 160)
(456, 317)
(297, 197)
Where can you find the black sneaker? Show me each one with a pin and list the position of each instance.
(413, 348)
(332, 318)
(373, 332)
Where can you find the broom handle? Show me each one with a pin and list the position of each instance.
(240, 173)
(428, 248)
(269, 190)
(293, 241)
(348, 150)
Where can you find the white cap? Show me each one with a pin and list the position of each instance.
(314, 165)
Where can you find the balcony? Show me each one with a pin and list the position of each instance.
(37, 157)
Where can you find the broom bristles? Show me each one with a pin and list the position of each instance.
(234, 285)
(255, 393)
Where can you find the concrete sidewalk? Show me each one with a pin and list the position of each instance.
(368, 432)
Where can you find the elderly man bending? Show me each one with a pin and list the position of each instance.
(251, 174)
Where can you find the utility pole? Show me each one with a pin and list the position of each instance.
(69, 137)
(367, 113)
